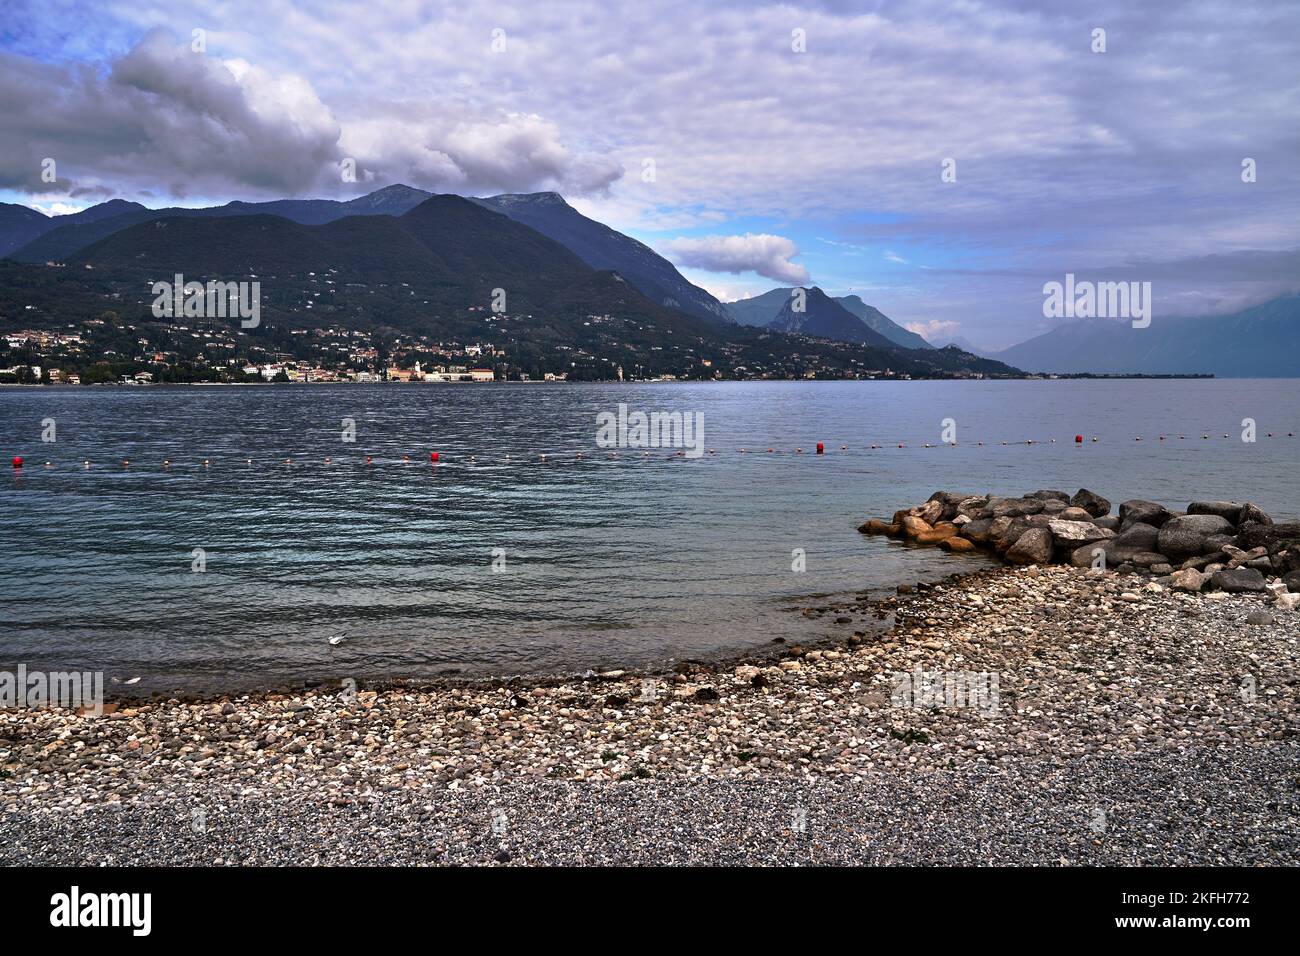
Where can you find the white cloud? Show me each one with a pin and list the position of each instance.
(935, 328)
(753, 252)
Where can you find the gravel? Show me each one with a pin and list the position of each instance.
(1107, 720)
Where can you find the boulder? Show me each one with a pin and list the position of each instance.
(1011, 534)
(1275, 537)
(1228, 510)
(1147, 559)
(1109, 522)
(931, 512)
(1053, 506)
(957, 545)
(1049, 495)
(1188, 579)
(1032, 547)
(1237, 558)
(1012, 507)
(1075, 533)
(971, 507)
(1238, 579)
(1084, 556)
(1215, 543)
(876, 526)
(1292, 581)
(1147, 512)
(940, 532)
(914, 527)
(1183, 536)
(1074, 514)
(1090, 502)
(977, 530)
(1250, 512)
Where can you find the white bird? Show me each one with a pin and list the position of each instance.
(336, 639)
(133, 680)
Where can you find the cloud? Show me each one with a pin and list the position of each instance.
(199, 124)
(509, 153)
(895, 258)
(933, 329)
(753, 252)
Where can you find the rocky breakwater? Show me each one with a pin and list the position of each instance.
(1213, 545)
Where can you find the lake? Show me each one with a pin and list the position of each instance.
(233, 575)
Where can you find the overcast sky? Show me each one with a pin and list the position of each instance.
(753, 144)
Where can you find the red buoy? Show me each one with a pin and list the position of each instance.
(18, 461)
(1078, 439)
(820, 449)
(433, 456)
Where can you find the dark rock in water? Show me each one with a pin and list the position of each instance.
(977, 530)
(1090, 502)
(1032, 547)
(1214, 543)
(1238, 579)
(1292, 581)
(1250, 512)
(1183, 536)
(1147, 512)
(1228, 510)
(1050, 495)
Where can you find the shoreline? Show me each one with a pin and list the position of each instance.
(1099, 677)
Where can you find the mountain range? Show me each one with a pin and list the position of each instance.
(844, 318)
(1260, 341)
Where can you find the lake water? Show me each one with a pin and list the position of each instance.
(600, 561)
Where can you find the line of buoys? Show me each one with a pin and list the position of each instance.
(820, 448)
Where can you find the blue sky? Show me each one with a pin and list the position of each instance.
(755, 145)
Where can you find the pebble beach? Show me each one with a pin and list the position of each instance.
(1130, 723)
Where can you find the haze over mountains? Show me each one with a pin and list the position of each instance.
(1261, 341)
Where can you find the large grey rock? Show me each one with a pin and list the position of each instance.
(1011, 534)
(1147, 512)
(977, 530)
(1032, 547)
(1068, 533)
(1090, 502)
(1228, 510)
(1075, 514)
(1183, 536)
(1215, 543)
(1053, 506)
(1292, 581)
(1238, 579)
(1109, 522)
(1083, 557)
(1012, 507)
(1049, 495)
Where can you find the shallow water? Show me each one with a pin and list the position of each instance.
(607, 561)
